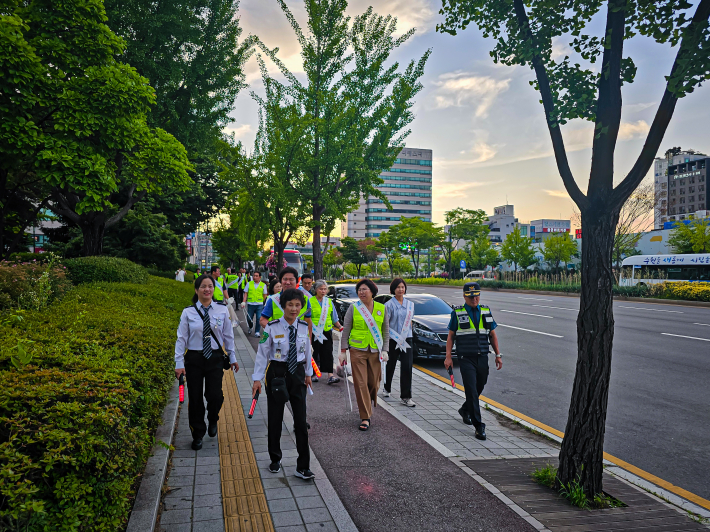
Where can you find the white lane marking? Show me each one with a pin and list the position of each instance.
(681, 336)
(654, 309)
(704, 324)
(526, 313)
(558, 308)
(530, 330)
(535, 298)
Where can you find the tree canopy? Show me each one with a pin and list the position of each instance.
(518, 250)
(347, 121)
(693, 237)
(558, 248)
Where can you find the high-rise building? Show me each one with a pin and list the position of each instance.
(677, 185)
(407, 186)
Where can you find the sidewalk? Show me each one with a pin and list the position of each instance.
(415, 469)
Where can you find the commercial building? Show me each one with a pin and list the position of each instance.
(407, 186)
(679, 181)
(543, 227)
(502, 223)
(199, 246)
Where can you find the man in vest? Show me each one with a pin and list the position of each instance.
(473, 328)
(254, 296)
(306, 285)
(272, 309)
(218, 295)
(241, 284)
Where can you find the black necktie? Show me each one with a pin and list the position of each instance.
(292, 355)
(206, 336)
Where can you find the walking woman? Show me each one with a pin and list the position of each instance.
(274, 287)
(324, 318)
(200, 358)
(367, 333)
(400, 312)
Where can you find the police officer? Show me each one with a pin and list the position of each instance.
(284, 360)
(473, 328)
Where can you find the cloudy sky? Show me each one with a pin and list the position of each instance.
(483, 121)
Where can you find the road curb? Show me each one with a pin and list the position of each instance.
(147, 503)
(576, 295)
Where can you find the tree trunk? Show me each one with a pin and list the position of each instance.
(581, 455)
(317, 255)
(93, 233)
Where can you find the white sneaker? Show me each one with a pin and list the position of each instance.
(385, 393)
(408, 402)
(257, 335)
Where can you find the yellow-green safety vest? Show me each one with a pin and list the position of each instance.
(277, 313)
(218, 294)
(315, 313)
(243, 282)
(255, 293)
(231, 278)
(360, 336)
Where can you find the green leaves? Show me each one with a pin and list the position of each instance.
(23, 357)
(518, 250)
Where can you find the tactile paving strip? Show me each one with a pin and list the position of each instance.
(245, 508)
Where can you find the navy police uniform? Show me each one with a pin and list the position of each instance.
(472, 327)
(272, 361)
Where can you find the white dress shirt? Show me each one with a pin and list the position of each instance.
(189, 333)
(274, 346)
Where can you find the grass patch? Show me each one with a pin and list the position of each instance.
(545, 475)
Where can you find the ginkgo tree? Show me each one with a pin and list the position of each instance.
(588, 86)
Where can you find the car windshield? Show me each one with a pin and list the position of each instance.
(344, 292)
(429, 306)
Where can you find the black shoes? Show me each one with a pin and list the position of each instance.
(212, 430)
(481, 433)
(197, 444)
(465, 416)
(305, 474)
(275, 467)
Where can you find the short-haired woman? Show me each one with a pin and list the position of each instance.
(324, 318)
(400, 312)
(274, 286)
(199, 357)
(367, 334)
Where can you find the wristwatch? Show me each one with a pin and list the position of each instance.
(499, 355)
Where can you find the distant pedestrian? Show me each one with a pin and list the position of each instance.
(307, 285)
(254, 297)
(219, 288)
(366, 333)
(273, 309)
(400, 312)
(324, 318)
(274, 286)
(200, 358)
(473, 328)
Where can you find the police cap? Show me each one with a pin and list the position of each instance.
(471, 289)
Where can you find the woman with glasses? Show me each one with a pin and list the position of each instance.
(366, 332)
(324, 318)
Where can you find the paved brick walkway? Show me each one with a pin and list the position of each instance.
(193, 502)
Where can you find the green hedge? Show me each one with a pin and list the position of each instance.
(77, 422)
(105, 269)
(161, 273)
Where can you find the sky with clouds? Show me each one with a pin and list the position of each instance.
(482, 120)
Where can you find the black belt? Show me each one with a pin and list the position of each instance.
(278, 362)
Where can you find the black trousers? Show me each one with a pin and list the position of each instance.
(203, 375)
(406, 359)
(323, 352)
(474, 372)
(296, 386)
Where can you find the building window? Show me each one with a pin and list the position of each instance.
(682, 200)
(691, 208)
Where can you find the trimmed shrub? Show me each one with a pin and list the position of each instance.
(77, 419)
(681, 290)
(105, 269)
(27, 256)
(160, 273)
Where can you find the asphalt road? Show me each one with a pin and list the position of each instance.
(659, 397)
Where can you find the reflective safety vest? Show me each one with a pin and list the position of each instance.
(360, 336)
(230, 278)
(470, 340)
(218, 293)
(276, 312)
(243, 281)
(256, 293)
(315, 313)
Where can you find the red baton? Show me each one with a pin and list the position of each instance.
(181, 381)
(315, 368)
(253, 404)
(451, 374)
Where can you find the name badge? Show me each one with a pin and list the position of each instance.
(218, 322)
(303, 348)
(278, 336)
(277, 355)
(302, 335)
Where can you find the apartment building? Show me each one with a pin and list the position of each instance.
(408, 187)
